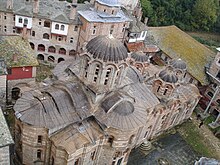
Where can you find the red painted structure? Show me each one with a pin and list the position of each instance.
(20, 73)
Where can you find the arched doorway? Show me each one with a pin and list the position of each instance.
(52, 49)
(41, 47)
(40, 57)
(60, 59)
(51, 59)
(62, 51)
(72, 53)
(15, 92)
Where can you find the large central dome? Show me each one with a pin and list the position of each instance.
(107, 48)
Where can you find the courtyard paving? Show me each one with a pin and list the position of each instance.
(172, 148)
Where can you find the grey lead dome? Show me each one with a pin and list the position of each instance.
(107, 48)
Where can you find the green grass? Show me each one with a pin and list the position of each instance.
(192, 136)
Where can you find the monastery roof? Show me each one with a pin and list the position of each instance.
(5, 135)
(93, 15)
(17, 52)
(48, 9)
(177, 44)
(126, 109)
(53, 108)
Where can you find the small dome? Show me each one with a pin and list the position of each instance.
(139, 56)
(107, 49)
(178, 64)
(168, 76)
(109, 2)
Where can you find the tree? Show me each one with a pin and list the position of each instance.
(205, 14)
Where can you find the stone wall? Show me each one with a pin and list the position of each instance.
(2, 90)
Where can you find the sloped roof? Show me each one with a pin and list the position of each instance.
(177, 44)
(5, 135)
(17, 52)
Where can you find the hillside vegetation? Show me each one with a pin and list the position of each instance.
(189, 15)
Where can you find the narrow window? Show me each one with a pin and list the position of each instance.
(165, 91)
(112, 11)
(20, 20)
(39, 152)
(97, 68)
(25, 21)
(57, 26)
(92, 156)
(107, 76)
(62, 27)
(39, 139)
(76, 28)
(33, 33)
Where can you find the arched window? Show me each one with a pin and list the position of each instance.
(39, 154)
(40, 57)
(97, 69)
(15, 92)
(60, 59)
(32, 45)
(41, 47)
(57, 26)
(47, 24)
(72, 53)
(25, 21)
(158, 89)
(52, 49)
(62, 51)
(20, 20)
(108, 72)
(62, 27)
(51, 59)
(46, 36)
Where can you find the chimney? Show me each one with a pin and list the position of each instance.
(36, 6)
(74, 1)
(73, 11)
(24, 32)
(146, 20)
(9, 4)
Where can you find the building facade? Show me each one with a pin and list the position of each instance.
(57, 30)
(97, 108)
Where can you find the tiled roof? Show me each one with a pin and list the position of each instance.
(177, 44)
(17, 52)
(5, 135)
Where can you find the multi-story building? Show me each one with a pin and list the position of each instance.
(97, 108)
(57, 30)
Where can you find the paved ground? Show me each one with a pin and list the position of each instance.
(172, 147)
